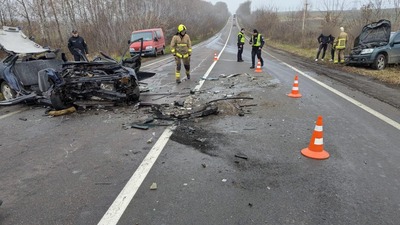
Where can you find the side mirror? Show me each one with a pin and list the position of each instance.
(155, 39)
(129, 41)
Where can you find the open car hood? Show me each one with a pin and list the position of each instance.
(13, 40)
(374, 34)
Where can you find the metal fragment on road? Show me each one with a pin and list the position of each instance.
(242, 156)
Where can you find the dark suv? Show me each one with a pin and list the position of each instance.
(376, 46)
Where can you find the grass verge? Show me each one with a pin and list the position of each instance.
(390, 75)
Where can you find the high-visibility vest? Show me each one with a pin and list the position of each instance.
(258, 43)
(241, 38)
(341, 43)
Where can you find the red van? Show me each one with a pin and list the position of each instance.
(153, 42)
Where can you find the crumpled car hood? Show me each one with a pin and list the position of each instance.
(374, 35)
(13, 40)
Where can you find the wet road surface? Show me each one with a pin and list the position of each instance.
(87, 168)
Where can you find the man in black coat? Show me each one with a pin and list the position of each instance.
(323, 44)
(76, 43)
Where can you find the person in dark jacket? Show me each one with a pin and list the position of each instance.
(240, 44)
(323, 44)
(76, 43)
(257, 42)
(331, 41)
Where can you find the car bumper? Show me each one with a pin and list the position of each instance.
(144, 53)
(360, 59)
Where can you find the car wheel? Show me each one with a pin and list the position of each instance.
(7, 92)
(163, 51)
(380, 62)
(58, 102)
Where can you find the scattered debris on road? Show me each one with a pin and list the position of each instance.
(153, 186)
(242, 156)
(62, 112)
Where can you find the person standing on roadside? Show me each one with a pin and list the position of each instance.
(240, 44)
(323, 45)
(332, 47)
(76, 43)
(181, 48)
(257, 42)
(340, 45)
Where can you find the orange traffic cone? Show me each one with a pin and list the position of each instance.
(258, 68)
(215, 57)
(295, 90)
(315, 149)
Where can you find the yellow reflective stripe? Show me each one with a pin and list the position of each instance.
(173, 50)
(182, 45)
(190, 50)
(179, 55)
(186, 55)
(341, 43)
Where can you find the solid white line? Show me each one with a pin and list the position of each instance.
(11, 113)
(201, 82)
(119, 205)
(355, 102)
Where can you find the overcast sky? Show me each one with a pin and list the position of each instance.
(285, 5)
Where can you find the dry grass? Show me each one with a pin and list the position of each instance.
(390, 75)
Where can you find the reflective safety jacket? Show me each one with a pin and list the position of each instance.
(181, 46)
(257, 41)
(241, 38)
(341, 41)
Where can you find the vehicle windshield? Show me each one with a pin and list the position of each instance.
(147, 36)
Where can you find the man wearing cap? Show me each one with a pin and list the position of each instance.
(76, 43)
(257, 42)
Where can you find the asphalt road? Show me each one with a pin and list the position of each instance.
(86, 168)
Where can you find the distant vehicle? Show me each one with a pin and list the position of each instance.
(153, 42)
(376, 46)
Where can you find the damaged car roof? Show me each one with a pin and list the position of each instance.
(13, 40)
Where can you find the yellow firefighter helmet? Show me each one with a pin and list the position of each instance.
(181, 28)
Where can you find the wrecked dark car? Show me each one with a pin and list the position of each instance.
(376, 46)
(30, 72)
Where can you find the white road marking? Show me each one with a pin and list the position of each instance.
(119, 205)
(11, 113)
(201, 82)
(355, 102)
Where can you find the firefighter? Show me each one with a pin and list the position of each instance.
(240, 44)
(76, 43)
(257, 42)
(181, 48)
(340, 45)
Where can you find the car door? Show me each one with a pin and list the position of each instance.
(157, 43)
(395, 50)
